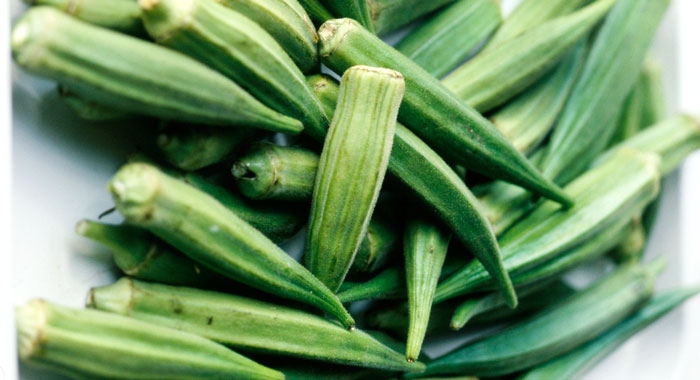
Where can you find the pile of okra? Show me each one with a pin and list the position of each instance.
(450, 182)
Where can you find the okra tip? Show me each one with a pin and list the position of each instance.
(332, 33)
(30, 320)
(133, 187)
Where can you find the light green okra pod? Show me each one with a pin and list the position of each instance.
(629, 122)
(236, 46)
(496, 75)
(425, 248)
(247, 324)
(389, 15)
(90, 110)
(653, 101)
(93, 344)
(357, 10)
(133, 75)
(577, 362)
(288, 23)
(317, 11)
(556, 330)
(209, 233)
(444, 41)
(435, 183)
(121, 15)
(351, 170)
(632, 244)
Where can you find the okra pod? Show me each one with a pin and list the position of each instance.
(351, 170)
(357, 10)
(134, 75)
(393, 317)
(94, 344)
(653, 101)
(246, 324)
(287, 22)
(413, 162)
(576, 362)
(317, 11)
(389, 15)
(445, 40)
(425, 248)
(633, 243)
(209, 233)
(120, 15)
(496, 75)
(236, 46)
(629, 122)
(313, 370)
(388, 284)
(191, 149)
(376, 247)
(90, 110)
(616, 190)
(612, 67)
(440, 118)
(557, 330)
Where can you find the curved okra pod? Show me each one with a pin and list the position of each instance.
(93, 344)
(438, 116)
(577, 362)
(556, 330)
(121, 15)
(209, 233)
(425, 248)
(246, 324)
(133, 75)
(376, 247)
(496, 75)
(388, 284)
(236, 46)
(317, 11)
(357, 10)
(90, 110)
(444, 41)
(389, 15)
(288, 23)
(351, 170)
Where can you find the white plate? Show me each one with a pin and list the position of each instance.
(61, 165)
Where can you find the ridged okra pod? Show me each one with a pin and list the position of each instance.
(612, 67)
(528, 118)
(247, 324)
(629, 122)
(388, 284)
(393, 317)
(209, 233)
(317, 11)
(189, 148)
(377, 246)
(434, 113)
(296, 369)
(577, 362)
(288, 23)
(389, 15)
(90, 110)
(445, 194)
(445, 40)
(653, 101)
(351, 170)
(236, 46)
(619, 189)
(88, 344)
(357, 10)
(556, 330)
(496, 75)
(133, 75)
(120, 15)
(425, 248)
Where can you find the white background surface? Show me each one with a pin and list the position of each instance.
(61, 166)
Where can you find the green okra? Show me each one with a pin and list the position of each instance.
(388, 284)
(351, 170)
(376, 247)
(357, 10)
(120, 15)
(141, 255)
(191, 149)
(93, 344)
(393, 317)
(316, 11)
(440, 118)
(527, 119)
(629, 122)
(435, 183)
(425, 248)
(613, 65)
(577, 362)
(269, 171)
(313, 370)
(530, 14)
(618, 189)
(287, 22)
(633, 243)
(389, 15)
(246, 324)
(445, 40)
(133, 75)
(209, 233)
(90, 110)
(653, 101)
(496, 75)
(236, 46)
(556, 330)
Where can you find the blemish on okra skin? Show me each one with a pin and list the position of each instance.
(210, 320)
(176, 305)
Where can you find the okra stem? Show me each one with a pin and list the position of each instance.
(389, 15)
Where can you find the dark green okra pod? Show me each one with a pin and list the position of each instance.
(90, 110)
(357, 10)
(246, 324)
(444, 41)
(90, 344)
(317, 11)
(209, 233)
(236, 46)
(351, 170)
(121, 15)
(438, 116)
(376, 247)
(389, 15)
(133, 75)
(388, 284)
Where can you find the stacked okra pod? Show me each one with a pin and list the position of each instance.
(552, 105)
